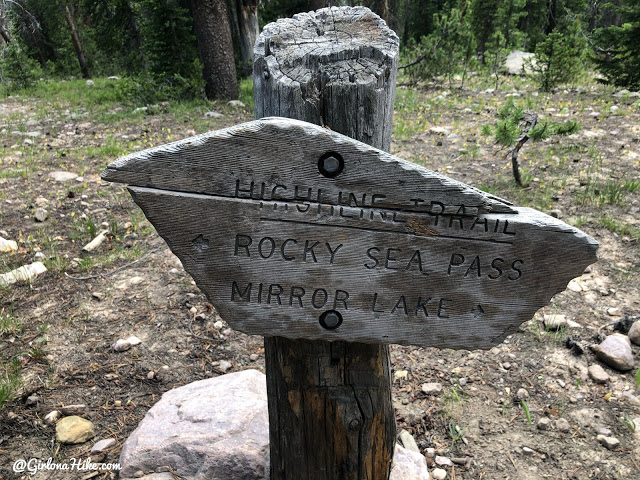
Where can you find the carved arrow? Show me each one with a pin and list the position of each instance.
(293, 230)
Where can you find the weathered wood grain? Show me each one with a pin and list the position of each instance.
(334, 67)
(467, 259)
(261, 263)
(273, 153)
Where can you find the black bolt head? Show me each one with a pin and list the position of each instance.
(331, 319)
(330, 164)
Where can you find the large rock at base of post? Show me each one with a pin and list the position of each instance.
(215, 428)
(408, 465)
(219, 428)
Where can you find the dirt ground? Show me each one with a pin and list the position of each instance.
(61, 326)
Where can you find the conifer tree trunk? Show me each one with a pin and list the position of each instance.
(249, 30)
(215, 46)
(75, 37)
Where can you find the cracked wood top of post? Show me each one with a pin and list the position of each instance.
(347, 43)
(400, 253)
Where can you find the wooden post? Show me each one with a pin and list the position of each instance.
(330, 410)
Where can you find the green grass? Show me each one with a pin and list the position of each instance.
(10, 380)
(527, 413)
(619, 227)
(9, 324)
(245, 86)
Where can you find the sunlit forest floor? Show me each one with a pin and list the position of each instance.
(56, 332)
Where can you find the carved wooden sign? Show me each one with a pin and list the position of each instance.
(293, 230)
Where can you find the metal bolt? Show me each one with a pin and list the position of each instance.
(354, 424)
(330, 164)
(331, 319)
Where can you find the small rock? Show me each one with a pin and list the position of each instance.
(608, 442)
(254, 357)
(125, 344)
(527, 451)
(400, 374)
(554, 322)
(631, 398)
(113, 77)
(616, 352)
(621, 93)
(31, 400)
(8, 245)
(603, 431)
(431, 388)
(236, 104)
(51, 417)
(213, 114)
(96, 242)
(60, 176)
(522, 394)
(614, 312)
(634, 332)
(439, 473)
(41, 214)
(614, 108)
(77, 409)
(562, 424)
(90, 83)
(24, 274)
(150, 375)
(544, 423)
(224, 366)
(556, 213)
(443, 461)
(102, 445)
(597, 374)
(408, 441)
(73, 430)
(39, 257)
(439, 130)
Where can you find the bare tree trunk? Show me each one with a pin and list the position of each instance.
(249, 30)
(215, 46)
(75, 37)
(4, 31)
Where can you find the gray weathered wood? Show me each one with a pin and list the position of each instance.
(333, 67)
(485, 273)
(336, 68)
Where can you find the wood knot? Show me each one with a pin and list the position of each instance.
(354, 424)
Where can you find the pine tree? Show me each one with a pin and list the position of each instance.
(559, 58)
(619, 48)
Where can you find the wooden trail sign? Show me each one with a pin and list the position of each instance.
(332, 249)
(296, 231)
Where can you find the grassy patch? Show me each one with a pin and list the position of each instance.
(10, 380)
(9, 324)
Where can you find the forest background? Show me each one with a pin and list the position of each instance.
(181, 49)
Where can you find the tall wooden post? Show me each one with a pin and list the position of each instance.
(330, 410)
